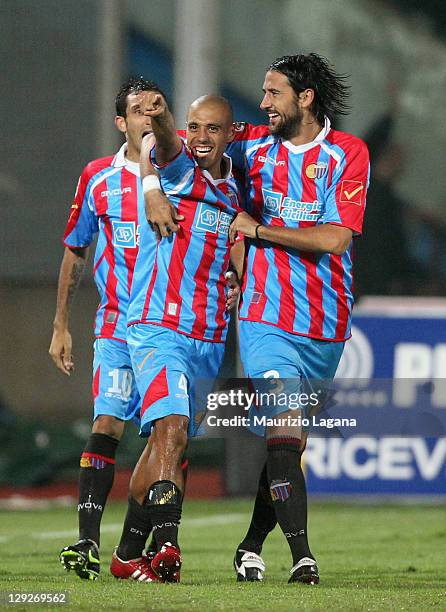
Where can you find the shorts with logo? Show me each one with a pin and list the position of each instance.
(172, 371)
(114, 388)
(308, 365)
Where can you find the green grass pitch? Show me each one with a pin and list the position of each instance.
(370, 558)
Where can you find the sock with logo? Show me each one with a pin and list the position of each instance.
(135, 532)
(96, 474)
(263, 518)
(164, 503)
(152, 547)
(288, 493)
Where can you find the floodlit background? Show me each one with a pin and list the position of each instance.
(65, 61)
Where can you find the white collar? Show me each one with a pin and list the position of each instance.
(120, 160)
(309, 145)
(227, 175)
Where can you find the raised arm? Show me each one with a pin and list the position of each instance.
(160, 212)
(71, 269)
(167, 142)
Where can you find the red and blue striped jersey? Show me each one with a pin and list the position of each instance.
(179, 282)
(106, 203)
(323, 181)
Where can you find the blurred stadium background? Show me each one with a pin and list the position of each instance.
(65, 63)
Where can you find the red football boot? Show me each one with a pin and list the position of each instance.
(135, 569)
(167, 563)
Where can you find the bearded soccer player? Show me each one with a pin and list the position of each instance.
(178, 316)
(106, 204)
(306, 198)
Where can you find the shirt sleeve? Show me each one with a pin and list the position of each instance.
(346, 197)
(174, 174)
(82, 223)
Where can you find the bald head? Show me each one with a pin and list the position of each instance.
(209, 129)
(215, 103)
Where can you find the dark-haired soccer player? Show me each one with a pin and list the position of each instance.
(178, 315)
(105, 203)
(306, 197)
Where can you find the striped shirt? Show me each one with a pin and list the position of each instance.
(323, 181)
(106, 204)
(179, 281)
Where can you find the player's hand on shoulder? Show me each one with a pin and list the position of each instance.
(161, 214)
(60, 351)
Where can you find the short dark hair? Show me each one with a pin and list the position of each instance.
(314, 72)
(131, 86)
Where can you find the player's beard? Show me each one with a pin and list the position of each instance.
(290, 126)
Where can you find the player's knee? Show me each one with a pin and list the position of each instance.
(109, 426)
(171, 435)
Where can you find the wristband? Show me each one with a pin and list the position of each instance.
(150, 183)
(257, 231)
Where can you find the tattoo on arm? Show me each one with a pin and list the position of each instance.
(75, 277)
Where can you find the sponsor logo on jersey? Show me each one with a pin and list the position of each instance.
(314, 171)
(210, 219)
(125, 234)
(270, 160)
(288, 209)
(115, 192)
(352, 192)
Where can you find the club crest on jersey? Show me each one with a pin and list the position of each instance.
(314, 171)
(125, 234)
(288, 209)
(280, 490)
(210, 219)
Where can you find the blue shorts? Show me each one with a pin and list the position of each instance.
(114, 387)
(169, 367)
(309, 365)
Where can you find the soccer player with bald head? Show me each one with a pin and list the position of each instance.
(178, 315)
